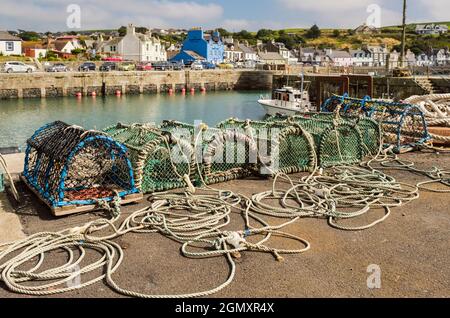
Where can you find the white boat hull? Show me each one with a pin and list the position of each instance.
(273, 109)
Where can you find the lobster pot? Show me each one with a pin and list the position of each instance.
(336, 143)
(160, 162)
(220, 156)
(404, 125)
(280, 148)
(72, 169)
(371, 131)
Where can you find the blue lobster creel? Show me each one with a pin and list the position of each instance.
(404, 125)
(69, 167)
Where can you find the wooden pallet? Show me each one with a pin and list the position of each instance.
(74, 209)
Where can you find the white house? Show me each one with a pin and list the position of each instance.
(423, 59)
(441, 57)
(379, 55)
(233, 53)
(431, 29)
(136, 47)
(250, 55)
(361, 57)
(339, 57)
(9, 44)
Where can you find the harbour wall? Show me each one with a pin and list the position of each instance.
(107, 83)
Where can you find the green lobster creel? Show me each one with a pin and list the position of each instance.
(336, 142)
(220, 156)
(280, 147)
(159, 160)
(371, 130)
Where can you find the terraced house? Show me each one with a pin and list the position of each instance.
(136, 47)
(10, 44)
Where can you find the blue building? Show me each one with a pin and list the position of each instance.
(197, 44)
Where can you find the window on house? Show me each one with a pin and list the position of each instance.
(148, 47)
(9, 46)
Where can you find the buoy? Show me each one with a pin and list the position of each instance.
(94, 94)
(78, 94)
(183, 90)
(203, 89)
(170, 91)
(118, 93)
(192, 90)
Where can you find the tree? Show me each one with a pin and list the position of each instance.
(314, 32)
(336, 33)
(265, 34)
(291, 41)
(244, 34)
(29, 36)
(223, 32)
(122, 30)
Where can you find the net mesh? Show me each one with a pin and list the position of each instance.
(336, 142)
(280, 147)
(159, 160)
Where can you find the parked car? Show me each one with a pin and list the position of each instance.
(108, 66)
(113, 59)
(208, 65)
(162, 66)
(87, 66)
(197, 66)
(144, 66)
(176, 66)
(226, 66)
(18, 67)
(127, 66)
(58, 67)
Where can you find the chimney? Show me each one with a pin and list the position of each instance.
(131, 29)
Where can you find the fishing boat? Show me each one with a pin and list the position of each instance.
(288, 100)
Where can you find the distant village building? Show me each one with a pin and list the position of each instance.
(272, 60)
(208, 46)
(361, 58)
(249, 54)
(279, 48)
(136, 47)
(233, 53)
(367, 29)
(10, 44)
(440, 57)
(422, 59)
(339, 57)
(34, 50)
(379, 54)
(431, 28)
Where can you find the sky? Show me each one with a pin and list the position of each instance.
(234, 15)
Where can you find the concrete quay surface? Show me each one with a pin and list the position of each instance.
(411, 248)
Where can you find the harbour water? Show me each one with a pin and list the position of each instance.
(19, 118)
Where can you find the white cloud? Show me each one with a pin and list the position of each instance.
(438, 10)
(341, 13)
(51, 14)
(237, 24)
